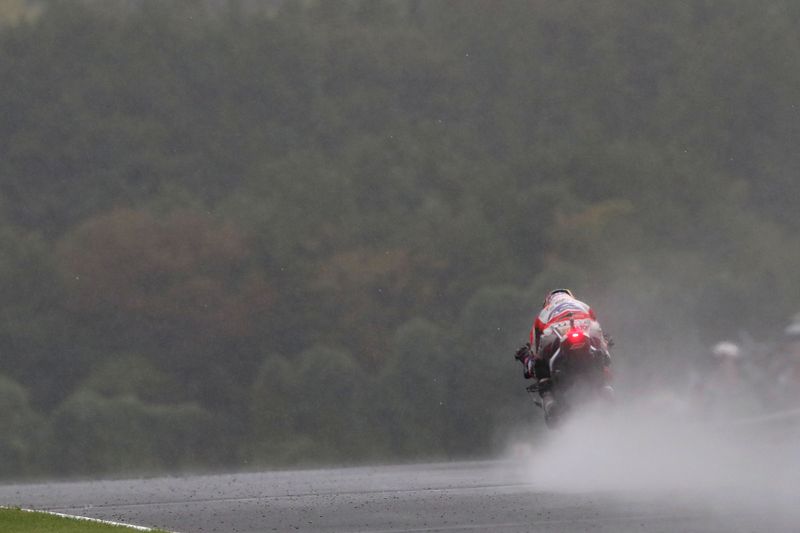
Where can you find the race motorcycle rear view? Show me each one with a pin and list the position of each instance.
(576, 355)
(567, 355)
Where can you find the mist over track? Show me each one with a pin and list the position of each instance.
(464, 496)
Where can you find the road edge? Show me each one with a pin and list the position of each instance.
(86, 519)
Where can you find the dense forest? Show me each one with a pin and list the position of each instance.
(239, 234)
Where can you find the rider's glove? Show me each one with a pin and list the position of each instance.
(609, 340)
(529, 370)
(523, 353)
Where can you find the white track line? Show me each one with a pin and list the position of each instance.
(84, 518)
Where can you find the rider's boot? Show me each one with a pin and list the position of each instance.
(549, 403)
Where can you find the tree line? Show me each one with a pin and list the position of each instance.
(267, 233)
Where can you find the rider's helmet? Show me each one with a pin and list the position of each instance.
(553, 293)
(726, 350)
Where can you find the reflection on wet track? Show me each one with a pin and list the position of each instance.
(465, 496)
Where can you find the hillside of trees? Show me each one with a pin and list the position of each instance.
(244, 234)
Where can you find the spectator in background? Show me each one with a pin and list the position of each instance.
(786, 367)
(721, 387)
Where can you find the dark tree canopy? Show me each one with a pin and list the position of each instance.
(290, 223)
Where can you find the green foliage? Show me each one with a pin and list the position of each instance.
(130, 375)
(381, 192)
(35, 332)
(492, 325)
(17, 11)
(275, 390)
(92, 434)
(413, 404)
(21, 426)
(316, 402)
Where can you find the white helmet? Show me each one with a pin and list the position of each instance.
(553, 293)
(726, 350)
(792, 331)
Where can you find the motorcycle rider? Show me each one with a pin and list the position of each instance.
(560, 310)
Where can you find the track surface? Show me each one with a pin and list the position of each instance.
(467, 496)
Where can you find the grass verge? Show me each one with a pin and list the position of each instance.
(19, 521)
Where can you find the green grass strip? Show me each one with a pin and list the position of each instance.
(19, 521)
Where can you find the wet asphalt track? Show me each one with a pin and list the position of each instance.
(467, 496)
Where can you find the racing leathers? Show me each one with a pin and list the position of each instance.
(560, 312)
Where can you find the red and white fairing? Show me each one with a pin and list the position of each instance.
(569, 317)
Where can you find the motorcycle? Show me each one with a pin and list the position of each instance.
(577, 370)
